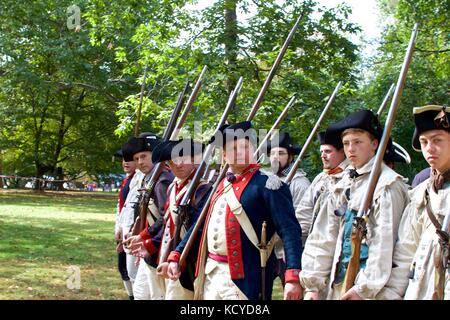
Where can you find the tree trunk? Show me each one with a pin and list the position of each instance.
(59, 176)
(231, 47)
(38, 127)
(1, 169)
(41, 170)
(59, 146)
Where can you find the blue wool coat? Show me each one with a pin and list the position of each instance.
(276, 208)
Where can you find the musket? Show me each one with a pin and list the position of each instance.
(212, 179)
(206, 173)
(264, 256)
(149, 188)
(274, 69)
(359, 228)
(309, 140)
(276, 125)
(189, 104)
(210, 148)
(441, 259)
(311, 136)
(385, 100)
(398, 148)
(181, 213)
(403, 153)
(250, 117)
(144, 198)
(138, 116)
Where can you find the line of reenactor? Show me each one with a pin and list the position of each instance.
(356, 232)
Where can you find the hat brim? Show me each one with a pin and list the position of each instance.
(415, 141)
(295, 149)
(168, 150)
(364, 120)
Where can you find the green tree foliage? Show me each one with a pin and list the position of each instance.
(68, 97)
(319, 56)
(427, 81)
(60, 86)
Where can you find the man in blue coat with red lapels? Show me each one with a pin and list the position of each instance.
(229, 256)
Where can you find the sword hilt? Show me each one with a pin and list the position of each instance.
(263, 244)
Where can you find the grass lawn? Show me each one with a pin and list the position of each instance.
(43, 236)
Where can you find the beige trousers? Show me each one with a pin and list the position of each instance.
(148, 285)
(218, 284)
(175, 291)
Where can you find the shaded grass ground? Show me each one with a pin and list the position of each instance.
(42, 235)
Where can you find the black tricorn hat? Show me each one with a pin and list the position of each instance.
(363, 119)
(134, 145)
(233, 132)
(130, 148)
(170, 149)
(396, 153)
(330, 139)
(427, 118)
(283, 140)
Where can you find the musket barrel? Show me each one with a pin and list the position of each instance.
(189, 104)
(385, 100)
(376, 167)
(202, 216)
(157, 170)
(210, 148)
(206, 156)
(294, 168)
(275, 125)
(250, 117)
(359, 223)
(231, 102)
(176, 112)
(273, 70)
(205, 173)
(138, 116)
(173, 135)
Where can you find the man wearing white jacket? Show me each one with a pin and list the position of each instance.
(142, 275)
(420, 247)
(334, 164)
(129, 167)
(282, 151)
(329, 257)
(125, 217)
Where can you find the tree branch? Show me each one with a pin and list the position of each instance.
(85, 85)
(433, 51)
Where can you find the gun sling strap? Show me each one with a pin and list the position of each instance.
(444, 238)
